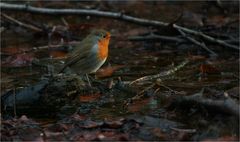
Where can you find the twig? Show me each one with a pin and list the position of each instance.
(14, 102)
(21, 23)
(146, 88)
(35, 49)
(65, 22)
(207, 37)
(174, 91)
(162, 74)
(44, 47)
(110, 84)
(156, 37)
(197, 43)
(139, 95)
(120, 16)
(183, 130)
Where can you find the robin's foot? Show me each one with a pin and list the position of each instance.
(89, 83)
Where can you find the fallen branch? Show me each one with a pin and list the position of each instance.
(197, 43)
(121, 16)
(115, 15)
(162, 74)
(226, 105)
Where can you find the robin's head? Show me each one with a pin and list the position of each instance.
(101, 38)
(100, 35)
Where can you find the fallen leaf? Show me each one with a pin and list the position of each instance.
(23, 118)
(159, 133)
(207, 68)
(91, 124)
(138, 105)
(196, 57)
(22, 129)
(112, 136)
(114, 124)
(56, 136)
(77, 117)
(89, 98)
(13, 50)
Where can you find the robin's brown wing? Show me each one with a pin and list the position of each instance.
(80, 53)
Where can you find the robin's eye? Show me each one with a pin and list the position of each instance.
(104, 36)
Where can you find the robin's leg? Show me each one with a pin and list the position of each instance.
(89, 83)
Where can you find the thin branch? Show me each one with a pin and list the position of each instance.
(138, 95)
(21, 23)
(156, 37)
(14, 102)
(162, 74)
(207, 37)
(115, 15)
(184, 130)
(197, 43)
(37, 49)
(65, 22)
(170, 89)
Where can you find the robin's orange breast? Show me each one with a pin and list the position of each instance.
(103, 47)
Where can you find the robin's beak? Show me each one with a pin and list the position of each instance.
(108, 35)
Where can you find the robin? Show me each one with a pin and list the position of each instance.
(90, 54)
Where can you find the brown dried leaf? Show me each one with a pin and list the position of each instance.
(207, 68)
(196, 57)
(13, 50)
(138, 105)
(89, 98)
(159, 133)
